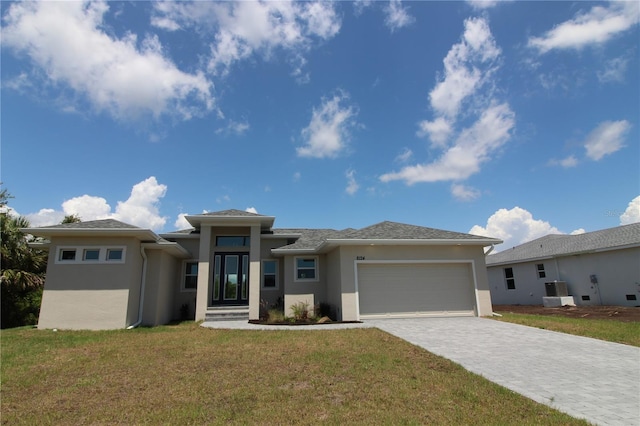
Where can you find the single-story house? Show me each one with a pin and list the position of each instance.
(597, 268)
(107, 274)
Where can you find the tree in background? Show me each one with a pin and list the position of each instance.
(22, 272)
(71, 218)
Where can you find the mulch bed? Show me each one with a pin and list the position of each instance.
(618, 313)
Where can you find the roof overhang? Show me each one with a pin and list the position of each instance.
(332, 243)
(139, 233)
(202, 219)
(173, 249)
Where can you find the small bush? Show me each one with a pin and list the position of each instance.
(301, 311)
(275, 316)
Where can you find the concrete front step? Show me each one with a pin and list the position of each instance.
(227, 313)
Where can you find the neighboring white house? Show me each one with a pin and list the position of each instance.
(599, 268)
(108, 274)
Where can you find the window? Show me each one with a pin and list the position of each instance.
(540, 270)
(68, 255)
(114, 255)
(233, 241)
(631, 297)
(91, 254)
(306, 269)
(586, 298)
(190, 276)
(270, 274)
(508, 275)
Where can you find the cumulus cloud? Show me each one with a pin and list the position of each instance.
(181, 222)
(469, 66)
(397, 16)
(473, 147)
(483, 4)
(594, 27)
(514, 227)
(124, 77)
(329, 129)
(352, 184)
(632, 213)
(242, 29)
(464, 193)
(606, 139)
(140, 209)
(251, 210)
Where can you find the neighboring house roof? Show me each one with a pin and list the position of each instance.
(564, 245)
(319, 240)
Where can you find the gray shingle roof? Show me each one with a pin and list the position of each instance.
(94, 224)
(400, 231)
(562, 245)
(232, 212)
(312, 239)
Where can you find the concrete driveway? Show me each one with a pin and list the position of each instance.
(585, 378)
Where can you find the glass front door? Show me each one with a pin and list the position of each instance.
(230, 279)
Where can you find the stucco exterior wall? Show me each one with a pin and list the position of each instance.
(91, 295)
(616, 271)
(159, 301)
(271, 296)
(349, 254)
(311, 292)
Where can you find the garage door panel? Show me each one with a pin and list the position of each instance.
(398, 289)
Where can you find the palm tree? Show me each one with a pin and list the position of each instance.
(22, 271)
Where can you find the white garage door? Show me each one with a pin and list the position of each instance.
(410, 289)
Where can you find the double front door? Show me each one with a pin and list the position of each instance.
(230, 279)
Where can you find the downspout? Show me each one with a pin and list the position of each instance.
(142, 286)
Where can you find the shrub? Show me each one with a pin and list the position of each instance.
(301, 311)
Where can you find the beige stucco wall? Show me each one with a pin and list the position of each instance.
(349, 254)
(91, 296)
(617, 273)
(162, 279)
(271, 296)
(311, 292)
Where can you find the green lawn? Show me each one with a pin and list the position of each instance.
(186, 374)
(610, 330)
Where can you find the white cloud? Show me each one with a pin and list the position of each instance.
(578, 231)
(632, 213)
(404, 156)
(464, 193)
(595, 27)
(329, 130)
(140, 209)
(606, 139)
(251, 210)
(473, 147)
(514, 227)
(483, 4)
(242, 29)
(397, 16)
(124, 77)
(466, 67)
(469, 66)
(352, 185)
(181, 222)
(570, 161)
(614, 70)
(438, 131)
(234, 127)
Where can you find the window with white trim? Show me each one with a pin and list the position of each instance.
(306, 268)
(270, 274)
(190, 277)
(540, 270)
(90, 254)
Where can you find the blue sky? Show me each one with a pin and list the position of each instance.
(507, 119)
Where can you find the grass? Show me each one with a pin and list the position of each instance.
(609, 330)
(186, 374)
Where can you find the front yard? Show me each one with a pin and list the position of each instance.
(186, 374)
